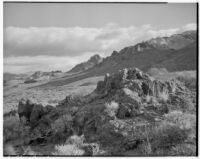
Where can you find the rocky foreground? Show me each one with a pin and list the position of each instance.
(129, 113)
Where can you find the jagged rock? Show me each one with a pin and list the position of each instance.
(36, 113)
(114, 53)
(71, 101)
(25, 108)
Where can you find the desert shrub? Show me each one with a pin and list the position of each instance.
(62, 128)
(76, 140)
(71, 147)
(163, 96)
(75, 146)
(68, 150)
(188, 79)
(12, 128)
(29, 152)
(167, 135)
(182, 103)
(183, 150)
(185, 121)
(9, 150)
(112, 108)
(63, 123)
(151, 99)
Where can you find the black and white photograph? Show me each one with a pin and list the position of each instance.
(106, 79)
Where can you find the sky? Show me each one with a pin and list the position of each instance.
(57, 36)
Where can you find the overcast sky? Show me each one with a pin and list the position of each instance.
(56, 36)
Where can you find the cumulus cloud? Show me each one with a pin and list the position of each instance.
(54, 47)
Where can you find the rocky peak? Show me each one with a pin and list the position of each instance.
(93, 61)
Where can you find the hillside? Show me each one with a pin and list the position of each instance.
(129, 113)
(175, 53)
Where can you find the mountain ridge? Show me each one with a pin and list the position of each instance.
(173, 59)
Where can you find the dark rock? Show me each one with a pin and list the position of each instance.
(25, 108)
(36, 113)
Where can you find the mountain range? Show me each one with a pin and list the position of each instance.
(174, 53)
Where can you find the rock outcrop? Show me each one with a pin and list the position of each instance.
(141, 103)
(93, 61)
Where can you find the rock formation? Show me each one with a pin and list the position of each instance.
(141, 102)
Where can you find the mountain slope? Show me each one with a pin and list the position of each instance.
(179, 56)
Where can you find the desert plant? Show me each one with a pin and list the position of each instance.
(29, 152)
(151, 99)
(68, 150)
(184, 121)
(188, 79)
(112, 108)
(77, 140)
(163, 96)
(63, 123)
(167, 135)
(9, 150)
(12, 128)
(183, 150)
(75, 146)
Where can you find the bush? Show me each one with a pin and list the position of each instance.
(68, 150)
(183, 150)
(151, 100)
(188, 79)
(163, 96)
(112, 108)
(75, 146)
(167, 135)
(12, 128)
(9, 150)
(29, 152)
(185, 121)
(63, 123)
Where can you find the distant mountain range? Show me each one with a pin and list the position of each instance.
(175, 53)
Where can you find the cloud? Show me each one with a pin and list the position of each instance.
(190, 26)
(62, 48)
